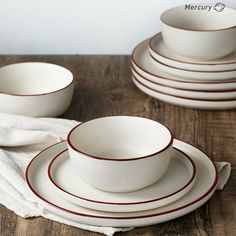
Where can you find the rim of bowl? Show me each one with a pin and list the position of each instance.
(182, 89)
(118, 159)
(72, 80)
(151, 46)
(197, 71)
(192, 99)
(194, 30)
(192, 178)
(133, 60)
(211, 188)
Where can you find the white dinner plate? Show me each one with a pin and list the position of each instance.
(196, 75)
(145, 66)
(177, 181)
(205, 184)
(185, 93)
(162, 53)
(186, 102)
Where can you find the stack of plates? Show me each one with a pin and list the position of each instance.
(169, 77)
(189, 182)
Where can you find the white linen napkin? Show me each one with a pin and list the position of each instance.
(21, 138)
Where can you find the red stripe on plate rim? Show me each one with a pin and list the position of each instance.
(191, 99)
(210, 190)
(188, 70)
(191, 90)
(133, 60)
(123, 203)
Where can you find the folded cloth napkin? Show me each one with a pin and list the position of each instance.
(21, 138)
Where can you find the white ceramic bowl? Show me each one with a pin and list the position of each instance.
(198, 33)
(35, 89)
(120, 153)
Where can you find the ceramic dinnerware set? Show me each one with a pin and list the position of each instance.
(192, 62)
(125, 171)
(121, 171)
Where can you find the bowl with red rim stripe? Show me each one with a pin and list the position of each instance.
(199, 34)
(120, 153)
(35, 89)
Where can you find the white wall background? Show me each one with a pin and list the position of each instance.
(81, 26)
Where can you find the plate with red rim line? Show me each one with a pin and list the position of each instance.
(202, 104)
(191, 94)
(195, 75)
(188, 85)
(144, 65)
(38, 182)
(176, 182)
(160, 52)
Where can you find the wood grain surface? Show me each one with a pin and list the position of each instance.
(104, 87)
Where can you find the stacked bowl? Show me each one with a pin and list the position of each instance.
(121, 171)
(192, 62)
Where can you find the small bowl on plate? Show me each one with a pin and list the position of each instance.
(120, 153)
(35, 89)
(199, 34)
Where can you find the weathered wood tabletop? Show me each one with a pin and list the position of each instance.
(104, 87)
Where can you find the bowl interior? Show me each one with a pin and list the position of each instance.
(182, 18)
(33, 78)
(120, 137)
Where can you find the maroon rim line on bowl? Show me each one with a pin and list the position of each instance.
(192, 63)
(119, 218)
(193, 99)
(182, 89)
(118, 159)
(213, 30)
(197, 71)
(133, 60)
(41, 94)
(124, 203)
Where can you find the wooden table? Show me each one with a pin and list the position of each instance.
(104, 87)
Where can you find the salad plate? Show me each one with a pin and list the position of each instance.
(162, 53)
(176, 182)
